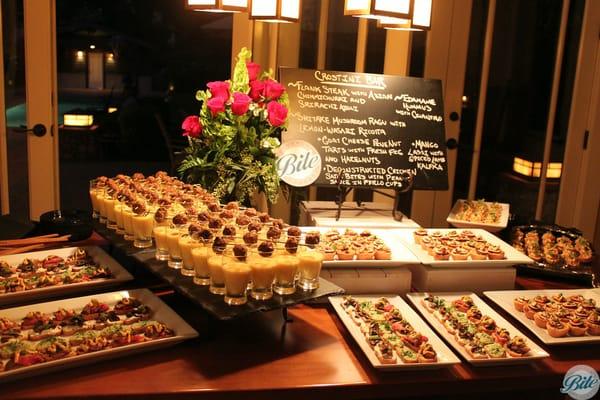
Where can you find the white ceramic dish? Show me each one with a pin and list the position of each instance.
(400, 254)
(160, 312)
(512, 256)
(504, 298)
(445, 356)
(460, 223)
(536, 351)
(120, 275)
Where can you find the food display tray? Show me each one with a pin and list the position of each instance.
(401, 255)
(120, 275)
(583, 273)
(504, 299)
(445, 356)
(215, 305)
(490, 227)
(160, 312)
(536, 351)
(513, 257)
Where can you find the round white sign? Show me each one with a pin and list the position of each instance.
(298, 163)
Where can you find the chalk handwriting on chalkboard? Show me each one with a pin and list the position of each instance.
(372, 130)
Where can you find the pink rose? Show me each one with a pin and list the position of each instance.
(277, 113)
(253, 70)
(256, 90)
(191, 126)
(219, 89)
(216, 105)
(273, 89)
(241, 103)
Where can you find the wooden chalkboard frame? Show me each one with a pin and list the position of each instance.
(416, 89)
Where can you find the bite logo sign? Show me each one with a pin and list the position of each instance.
(298, 163)
(581, 382)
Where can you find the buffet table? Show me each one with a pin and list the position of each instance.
(313, 356)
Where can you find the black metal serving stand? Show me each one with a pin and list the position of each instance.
(200, 295)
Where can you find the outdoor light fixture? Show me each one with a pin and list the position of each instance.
(110, 58)
(79, 120)
(80, 56)
(397, 9)
(217, 5)
(419, 20)
(275, 10)
(112, 110)
(534, 169)
(92, 46)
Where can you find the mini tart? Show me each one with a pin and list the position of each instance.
(556, 328)
(328, 253)
(419, 234)
(593, 324)
(520, 302)
(495, 253)
(541, 319)
(365, 253)
(426, 354)
(441, 253)
(577, 326)
(479, 253)
(459, 253)
(383, 253)
(345, 254)
(531, 308)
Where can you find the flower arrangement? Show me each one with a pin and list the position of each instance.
(232, 142)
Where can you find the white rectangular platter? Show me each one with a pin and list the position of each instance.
(160, 312)
(535, 353)
(490, 227)
(401, 255)
(445, 356)
(512, 256)
(504, 298)
(120, 275)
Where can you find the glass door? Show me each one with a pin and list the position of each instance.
(29, 169)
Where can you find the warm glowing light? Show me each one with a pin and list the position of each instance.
(92, 46)
(419, 20)
(378, 8)
(218, 5)
(534, 169)
(110, 58)
(78, 119)
(465, 99)
(80, 56)
(275, 10)
(112, 110)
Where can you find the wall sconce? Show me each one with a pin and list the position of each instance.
(110, 58)
(112, 110)
(217, 5)
(534, 169)
(420, 19)
(275, 10)
(398, 9)
(79, 120)
(80, 56)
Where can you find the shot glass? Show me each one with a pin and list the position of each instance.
(173, 234)
(310, 261)
(186, 244)
(162, 245)
(200, 257)
(236, 276)
(217, 278)
(142, 229)
(109, 208)
(119, 218)
(262, 274)
(128, 223)
(285, 274)
(94, 199)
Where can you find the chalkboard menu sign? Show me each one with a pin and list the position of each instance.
(369, 130)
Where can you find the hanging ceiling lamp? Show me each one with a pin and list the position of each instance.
(420, 19)
(217, 5)
(397, 9)
(275, 10)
